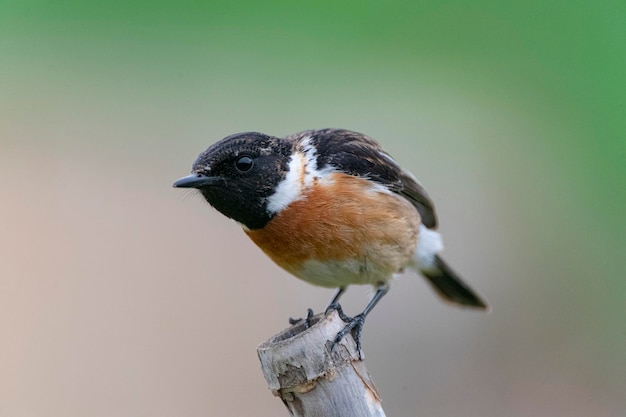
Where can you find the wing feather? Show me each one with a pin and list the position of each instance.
(360, 155)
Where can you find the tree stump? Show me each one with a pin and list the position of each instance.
(313, 381)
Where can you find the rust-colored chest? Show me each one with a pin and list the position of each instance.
(342, 231)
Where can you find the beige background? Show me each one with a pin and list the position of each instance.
(121, 296)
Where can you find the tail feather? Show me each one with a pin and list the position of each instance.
(450, 286)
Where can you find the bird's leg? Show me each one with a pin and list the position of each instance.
(355, 324)
(333, 305)
(334, 302)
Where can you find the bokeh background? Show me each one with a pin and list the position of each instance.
(120, 296)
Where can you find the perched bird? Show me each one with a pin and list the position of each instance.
(331, 207)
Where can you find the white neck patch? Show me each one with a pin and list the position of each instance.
(302, 174)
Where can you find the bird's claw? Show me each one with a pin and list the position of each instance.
(306, 320)
(354, 325)
(337, 307)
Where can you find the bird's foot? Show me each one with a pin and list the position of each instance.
(354, 325)
(306, 320)
(337, 307)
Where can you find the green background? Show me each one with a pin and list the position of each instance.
(120, 296)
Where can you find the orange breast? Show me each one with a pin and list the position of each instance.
(343, 232)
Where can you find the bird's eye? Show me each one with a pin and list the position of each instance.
(244, 163)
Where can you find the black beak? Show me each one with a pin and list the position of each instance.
(197, 181)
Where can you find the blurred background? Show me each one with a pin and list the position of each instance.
(120, 296)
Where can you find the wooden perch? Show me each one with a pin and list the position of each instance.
(313, 381)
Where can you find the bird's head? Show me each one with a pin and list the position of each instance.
(237, 175)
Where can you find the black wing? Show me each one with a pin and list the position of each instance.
(359, 155)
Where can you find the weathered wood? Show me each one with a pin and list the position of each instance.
(311, 380)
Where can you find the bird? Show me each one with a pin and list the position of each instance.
(331, 207)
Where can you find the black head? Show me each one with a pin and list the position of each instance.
(237, 174)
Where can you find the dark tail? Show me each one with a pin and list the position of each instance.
(450, 287)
